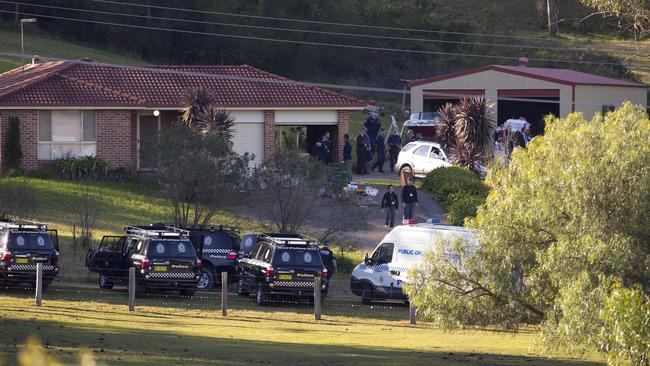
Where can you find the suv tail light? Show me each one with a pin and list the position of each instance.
(55, 257)
(324, 273)
(145, 263)
(270, 272)
(6, 256)
(199, 264)
(232, 256)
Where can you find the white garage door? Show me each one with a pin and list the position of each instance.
(249, 138)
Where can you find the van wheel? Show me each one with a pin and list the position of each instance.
(240, 287)
(206, 280)
(366, 294)
(104, 282)
(260, 297)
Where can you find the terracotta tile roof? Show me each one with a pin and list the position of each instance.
(66, 84)
(560, 76)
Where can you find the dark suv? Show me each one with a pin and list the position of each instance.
(23, 244)
(164, 259)
(218, 246)
(281, 265)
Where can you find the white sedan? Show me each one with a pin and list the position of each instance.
(420, 157)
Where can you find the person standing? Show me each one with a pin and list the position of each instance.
(328, 146)
(394, 146)
(322, 150)
(390, 204)
(347, 154)
(363, 147)
(381, 152)
(372, 126)
(329, 261)
(409, 198)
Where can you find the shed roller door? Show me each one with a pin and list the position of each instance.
(249, 138)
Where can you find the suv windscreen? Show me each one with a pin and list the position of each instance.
(170, 249)
(218, 240)
(297, 257)
(29, 240)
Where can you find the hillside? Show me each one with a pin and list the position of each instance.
(38, 43)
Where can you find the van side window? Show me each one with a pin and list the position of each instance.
(383, 254)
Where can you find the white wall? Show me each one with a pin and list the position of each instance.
(591, 98)
(492, 81)
(306, 117)
(249, 133)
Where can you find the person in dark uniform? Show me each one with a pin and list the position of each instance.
(394, 146)
(372, 126)
(363, 149)
(329, 261)
(347, 154)
(322, 150)
(410, 199)
(381, 151)
(390, 204)
(328, 145)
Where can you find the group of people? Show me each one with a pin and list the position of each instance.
(371, 146)
(390, 203)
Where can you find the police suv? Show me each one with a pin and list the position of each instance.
(24, 244)
(380, 276)
(164, 259)
(281, 265)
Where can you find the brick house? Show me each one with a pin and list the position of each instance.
(72, 108)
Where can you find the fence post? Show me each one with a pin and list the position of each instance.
(132, 289)
(412, 313)
(224, 293)
(39, 283)
(317, 304)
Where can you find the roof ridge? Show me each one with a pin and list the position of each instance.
(28, 83)
(102, 88)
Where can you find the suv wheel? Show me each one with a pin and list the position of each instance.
(240, 287)
(206, 281)
(104, 282)
(366, 294)
(260, 297)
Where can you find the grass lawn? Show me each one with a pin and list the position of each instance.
(118, 205)
(174, 331)
(39, 43)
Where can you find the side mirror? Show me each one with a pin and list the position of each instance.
(366, 259)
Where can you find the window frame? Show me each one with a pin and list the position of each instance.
(82, 143)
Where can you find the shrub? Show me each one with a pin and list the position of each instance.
(83, 168)
(457, 190)
(13, 154)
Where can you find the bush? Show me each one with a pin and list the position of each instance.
(13, 154)
(83, 168)
(457, 190)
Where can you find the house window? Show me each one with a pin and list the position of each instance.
(608, 108)
(63, 133)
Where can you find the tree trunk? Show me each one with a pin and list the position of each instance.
(553, 17)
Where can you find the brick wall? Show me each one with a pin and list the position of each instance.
(337, 138)
(114, 138)
(28, 135)
(269, 134)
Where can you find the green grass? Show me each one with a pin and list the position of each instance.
(173, 331)
(118, 205)
(39, 43)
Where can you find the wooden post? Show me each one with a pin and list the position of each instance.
(317, 307)
(412, 313)
(39, 283)
(132, 289)
(224, 293)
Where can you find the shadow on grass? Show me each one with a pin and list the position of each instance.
(156, 346)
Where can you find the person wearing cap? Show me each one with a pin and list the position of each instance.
(329, 261)
(409, 198)
(390, 204)
(363, 149)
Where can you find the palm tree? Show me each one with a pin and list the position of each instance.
(475, 124)
(445, 128)
(200, 112)
(195, 104)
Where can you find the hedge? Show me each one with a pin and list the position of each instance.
(457, 190)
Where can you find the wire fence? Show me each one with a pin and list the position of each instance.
(260, 294)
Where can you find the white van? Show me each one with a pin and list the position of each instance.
(381, 275)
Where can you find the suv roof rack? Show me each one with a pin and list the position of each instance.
(22, 224)
(156, 231)
(196, 227)
(289, 239)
